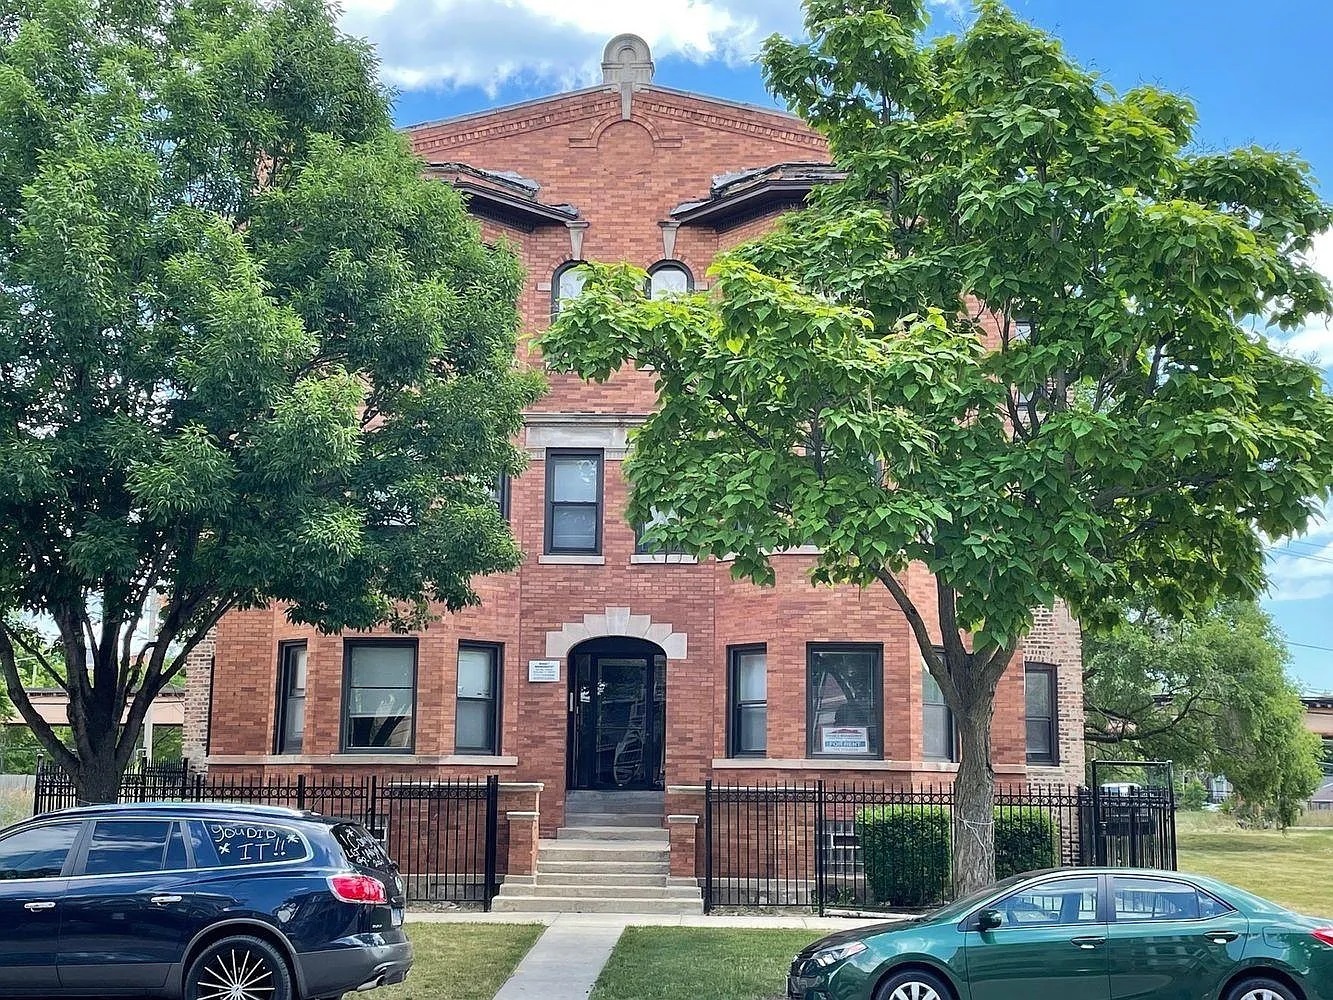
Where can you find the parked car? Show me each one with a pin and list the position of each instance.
(201, 902)
(1084, 933)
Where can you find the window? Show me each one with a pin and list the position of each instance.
(1147, 899)
(291, 697)
(749, 700)
(845, 718)
(648, 547)
(669, 277)
(567, 284)
(477, 722)
(938, 740)
(1042, 743)
(379, 681)
(500, 494)
(1052, 904)
(574, 502)
(39, 852)
(226, 844)
(131, 847)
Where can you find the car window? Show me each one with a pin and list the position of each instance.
(127, 846)
(1210, 906)
(176, 858)
(39, 852)
(1162, 899)
(236, 843)
(1051, 904)
(361, 847)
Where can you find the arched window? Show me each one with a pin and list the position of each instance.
(566, 284)
(669, 277)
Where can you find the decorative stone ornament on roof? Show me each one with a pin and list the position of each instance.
(627, 64)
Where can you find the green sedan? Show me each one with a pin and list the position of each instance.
(1080, 934)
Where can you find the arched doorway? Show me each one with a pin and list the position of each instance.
(617, 719)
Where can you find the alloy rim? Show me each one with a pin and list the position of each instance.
(1262, 993)
(922, 991)
(238, 974)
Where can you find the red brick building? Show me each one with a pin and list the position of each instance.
(598, 665)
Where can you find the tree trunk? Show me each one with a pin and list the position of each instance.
(97, 781)
(974, 795)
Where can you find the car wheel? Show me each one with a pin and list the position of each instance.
(239, 968)
(1260, 989)
(914, 984)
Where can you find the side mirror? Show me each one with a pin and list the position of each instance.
(988, 920)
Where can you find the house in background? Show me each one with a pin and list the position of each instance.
(604, 674)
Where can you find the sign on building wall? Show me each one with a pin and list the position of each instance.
(844, 739)
(543, 671)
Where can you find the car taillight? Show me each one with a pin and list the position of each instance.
(1324, 935)
(357, 889)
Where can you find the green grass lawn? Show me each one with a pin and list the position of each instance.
(1294, 868)
(462, 961)
(686, 963)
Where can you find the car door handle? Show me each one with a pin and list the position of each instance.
(1087, 943)
(164, 900)
(35, 907)
(1221, 937)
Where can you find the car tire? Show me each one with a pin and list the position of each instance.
(914, 984)
(1260, 988)
(249, 966)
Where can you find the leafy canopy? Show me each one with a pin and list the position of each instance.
(1012, 344)
(247, 353)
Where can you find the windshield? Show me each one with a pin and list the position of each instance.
(959, 907)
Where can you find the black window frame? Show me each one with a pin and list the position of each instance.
(877, 690)
(1052, 722)
(951, 724)
(559, 273)
(348, 646)
(501, 492)
(642, 548)
(669, 264)
(496, 700)
(281, 713)
(553, 455)
(734, 704)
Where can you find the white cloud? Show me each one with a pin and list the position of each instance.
(1315, 340)
(1302, 569)
(558, 43)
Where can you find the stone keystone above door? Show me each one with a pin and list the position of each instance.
(616, 621)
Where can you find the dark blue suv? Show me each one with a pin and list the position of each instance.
(203, 902)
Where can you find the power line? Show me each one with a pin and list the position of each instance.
(1306, 645)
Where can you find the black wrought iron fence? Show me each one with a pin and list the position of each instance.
(863, 846)
(442, 833)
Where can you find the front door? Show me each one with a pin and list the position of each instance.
(1052, 943)
(617, 715)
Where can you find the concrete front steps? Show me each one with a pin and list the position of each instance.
(612, 857)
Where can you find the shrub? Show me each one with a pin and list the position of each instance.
(1026, 840)
(1192, 796)
(906, 854)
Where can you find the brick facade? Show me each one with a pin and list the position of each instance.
(625, 157)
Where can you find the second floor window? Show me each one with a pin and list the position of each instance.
(574, 502)
(291, 697)
(644, 546)
(669, 278)
(477, 721)
(566, 285)
(380, 694)
(938, 740)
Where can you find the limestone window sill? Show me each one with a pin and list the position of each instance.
(571, 560)
(648, 559)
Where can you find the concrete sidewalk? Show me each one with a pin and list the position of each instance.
(569, 956)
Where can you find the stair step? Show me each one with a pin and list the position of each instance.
(598, 868)
(613, 819)
(615, 833)
(596, 890)
(616, 802)
(505, 903)
(655, 879)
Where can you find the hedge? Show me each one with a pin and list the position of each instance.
(907, 849)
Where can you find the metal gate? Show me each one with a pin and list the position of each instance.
(1133, 821)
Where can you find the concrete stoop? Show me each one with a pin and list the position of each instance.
(612, 857)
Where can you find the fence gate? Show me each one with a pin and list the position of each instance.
(1133, 816)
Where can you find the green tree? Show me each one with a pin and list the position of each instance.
(248, 354)
(1209, 695)
(1104, 422)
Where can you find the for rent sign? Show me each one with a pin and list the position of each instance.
(844, 739)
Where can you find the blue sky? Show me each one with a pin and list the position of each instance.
(1258, 74)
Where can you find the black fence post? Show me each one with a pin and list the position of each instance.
(821, 861)
(708, 845)
(492, 830)
(300, 791)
